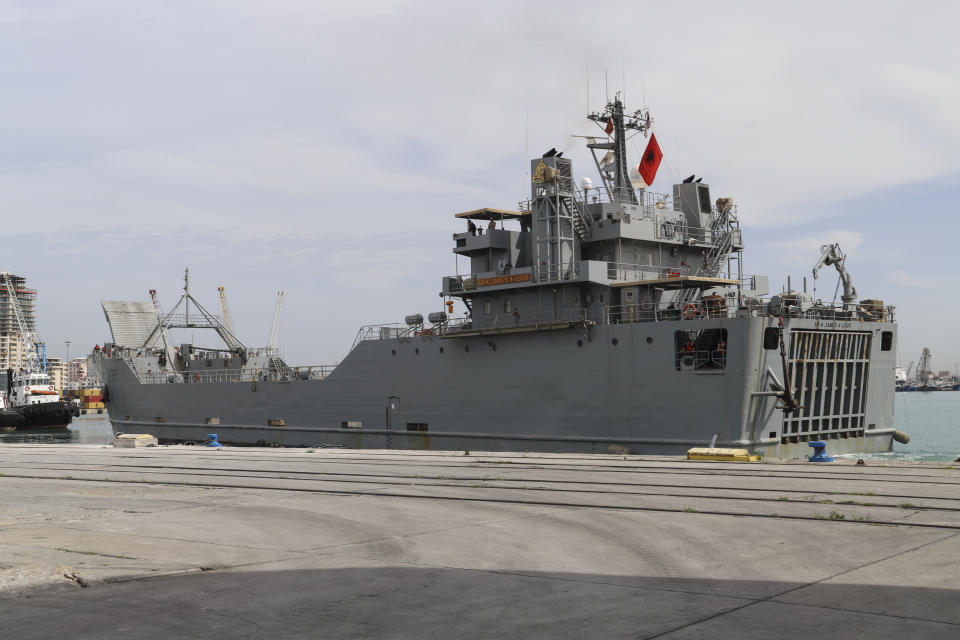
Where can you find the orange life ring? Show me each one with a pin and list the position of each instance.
(26, 388)
(689, 311)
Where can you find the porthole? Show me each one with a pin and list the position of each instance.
(394, 352)
(416, 351)
(579, 343)
(494, 347)
(649, 340)
(614, 342)
(467, 348)
(441, 349)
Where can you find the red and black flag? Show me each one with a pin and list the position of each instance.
(650, 161)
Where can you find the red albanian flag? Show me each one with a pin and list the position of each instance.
(609, 127)
(651, 160)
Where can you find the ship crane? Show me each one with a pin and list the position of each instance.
(168, 347)
(29, 340)
(227, 320)
(272, 343)
(206, 320)
(832, 255)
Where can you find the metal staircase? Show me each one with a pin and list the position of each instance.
(580, 224)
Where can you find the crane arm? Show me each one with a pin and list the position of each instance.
(227, 320)
(831, 255)
(275, 328)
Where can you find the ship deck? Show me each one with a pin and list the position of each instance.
(186, 541)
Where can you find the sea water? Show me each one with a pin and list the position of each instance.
(932, 418)
(85, 429)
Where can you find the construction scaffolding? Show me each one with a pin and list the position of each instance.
(12, 351)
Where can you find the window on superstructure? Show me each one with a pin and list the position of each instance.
(507, 306)
(486, 308)
(704, 194)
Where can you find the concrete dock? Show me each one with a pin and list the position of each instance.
(190, 542)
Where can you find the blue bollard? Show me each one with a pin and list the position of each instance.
(819, 451)
(213, 440)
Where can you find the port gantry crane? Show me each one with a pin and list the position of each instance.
(923, 368)
(30, 342)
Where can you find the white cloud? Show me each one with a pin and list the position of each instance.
(302, 132)
(849, 242)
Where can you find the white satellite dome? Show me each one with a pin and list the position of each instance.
(586, 183)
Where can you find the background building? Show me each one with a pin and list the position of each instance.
(57, 372)
(75, 375)
(11, 347)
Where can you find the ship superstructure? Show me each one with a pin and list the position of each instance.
(597, 318)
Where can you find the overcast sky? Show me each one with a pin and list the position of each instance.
(323, 147)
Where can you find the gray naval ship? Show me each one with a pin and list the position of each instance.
(598, 319)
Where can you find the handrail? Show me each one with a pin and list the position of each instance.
(315, 372)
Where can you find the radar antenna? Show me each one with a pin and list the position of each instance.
(616, 124)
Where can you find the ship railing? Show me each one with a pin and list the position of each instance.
(556, 273)
(666, 311)
(514, 319)
(863, 311)
(314, 372)
(700, 359)
(381, 332)
(727, 308)
(650, 202)
(627, 272)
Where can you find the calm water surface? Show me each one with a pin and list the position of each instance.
(86, 429)
(931, 418)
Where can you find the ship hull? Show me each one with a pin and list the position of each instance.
(607, 389)
(46, 415)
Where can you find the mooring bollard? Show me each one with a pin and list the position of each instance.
(819, 451)
(213, 440)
